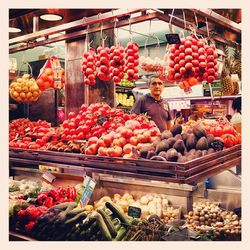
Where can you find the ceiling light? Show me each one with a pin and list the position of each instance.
(14, 30)
(51, 17)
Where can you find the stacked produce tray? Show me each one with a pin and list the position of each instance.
(190, 172)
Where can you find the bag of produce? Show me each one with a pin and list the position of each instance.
(51, 75)
(24, 88)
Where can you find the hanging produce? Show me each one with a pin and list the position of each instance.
(51, 75)
(89, 67)
(24, 89)
(193, 58)
(116, 64)
(152, 65)
(102, 63)
(131, 61)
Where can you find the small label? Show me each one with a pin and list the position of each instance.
(134, 212)
(89, 186)
(27, 129)
(48, 177)
(173, 38)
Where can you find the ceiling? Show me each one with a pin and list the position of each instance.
(23, 18)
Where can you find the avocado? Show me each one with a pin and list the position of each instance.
(156, 141)
(171, 142)
(162, 146)
(172, 155)
(166, 134)
(199, 132)
(191, 142)
(184, 136)
(179, 146)
(176, 129)
(210, 139)
(163, 154)
(150, 154)
(178, 137)
(202, 143)
(144, 151)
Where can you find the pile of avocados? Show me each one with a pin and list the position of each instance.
(176, 146)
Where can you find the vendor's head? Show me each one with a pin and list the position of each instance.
(236, 105)
(156, 86)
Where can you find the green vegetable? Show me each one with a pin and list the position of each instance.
(121, 234)
(77, 218)
(117, 212)
(108, 222)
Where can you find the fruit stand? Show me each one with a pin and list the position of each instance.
(105, 174)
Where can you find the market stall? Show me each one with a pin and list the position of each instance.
(83, 167)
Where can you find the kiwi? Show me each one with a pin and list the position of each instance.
(204, 152)
(202, 144)
(176, 129)
(210, 151)
(184, 136)
(179, 146)
(199, 132)
(163, 154)
(210, 139)
(198, 153)
(166, 134)
(182, 159)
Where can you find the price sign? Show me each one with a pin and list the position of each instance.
(89, 186)
(48, 177)
(134, 212)
(173, 38)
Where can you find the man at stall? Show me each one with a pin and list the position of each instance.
(153, 105)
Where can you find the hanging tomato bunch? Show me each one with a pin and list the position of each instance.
(116, 64)
(131, 61)
(102, 63)
(190, 59)
(89, 67)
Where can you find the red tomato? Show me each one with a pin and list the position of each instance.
(127, 149)
(100, 143)
(91, 150)
(72, 115)
(133, 140)
(92, 140)
(216, 131)
(102, 151)
(228, 129)
(121, 142)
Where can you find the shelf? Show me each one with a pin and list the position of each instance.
(123, 107)
(202, 98)
(118, 87)
(15, 236)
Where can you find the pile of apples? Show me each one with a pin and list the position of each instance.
(89, 67)
(193, 58)
(131, 61)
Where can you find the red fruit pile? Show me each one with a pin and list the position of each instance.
(32, 135)
(116, 64)
(192, 58)
(102, 63)
(89, 67)
(131, 61)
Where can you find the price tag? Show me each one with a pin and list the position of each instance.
(48, 177)
(89, 186)
(173, 38)
(134, 212)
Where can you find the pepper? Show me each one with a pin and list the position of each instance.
(68, 192)
(73, 193)
(41, 198)
(62, 191)
(54, 194)
(49, 202)
(32, 213)
(28, 227)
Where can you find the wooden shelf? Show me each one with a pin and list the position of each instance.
(15, 236)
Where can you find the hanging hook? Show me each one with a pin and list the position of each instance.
(184, 19)
(208, 35)
(170, 22)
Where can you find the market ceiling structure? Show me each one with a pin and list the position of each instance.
(223, 25)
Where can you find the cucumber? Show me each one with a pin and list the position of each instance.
(121, 234)
(117, 212)
(108, 222)
(74, 212)
(105, 231)
(77, 218)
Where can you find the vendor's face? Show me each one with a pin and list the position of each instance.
(156, 87)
